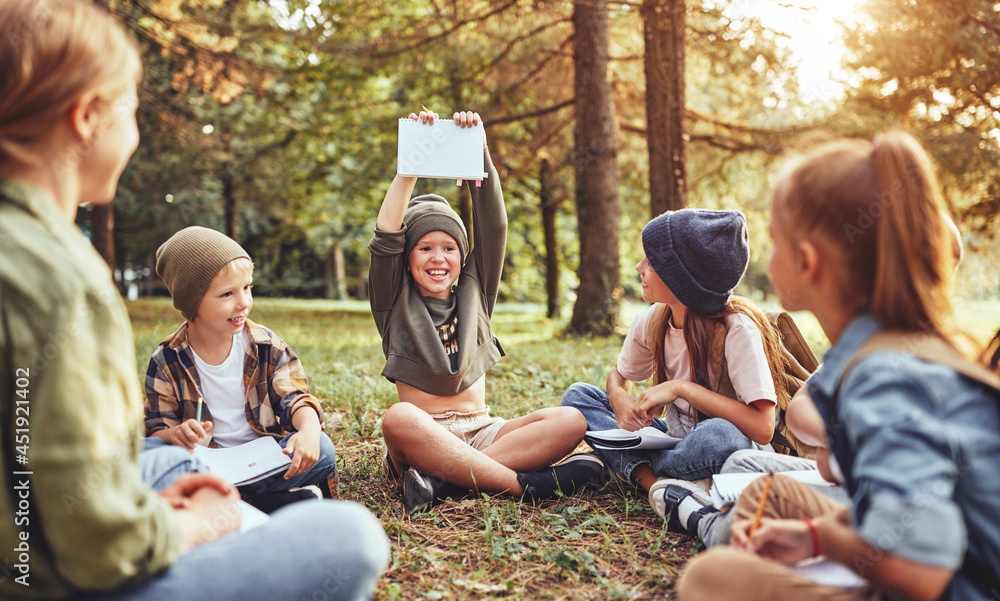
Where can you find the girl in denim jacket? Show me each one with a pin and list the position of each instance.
(861, 241)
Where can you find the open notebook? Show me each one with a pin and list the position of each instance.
(441, 150)
(246, 463)
(726, 488)
(618, 439)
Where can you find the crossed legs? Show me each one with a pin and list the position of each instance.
(527, 443)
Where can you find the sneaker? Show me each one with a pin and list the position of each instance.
(576, 473)
(420, 490)
(269, 502)
(311, 488)
(666, 496)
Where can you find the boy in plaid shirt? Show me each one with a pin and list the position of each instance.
(250, 383)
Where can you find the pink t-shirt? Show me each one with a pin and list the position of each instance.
(745, 358)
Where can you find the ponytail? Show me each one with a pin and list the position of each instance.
(878, 207)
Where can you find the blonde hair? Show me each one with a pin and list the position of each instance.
(878, 206)
(52, 52)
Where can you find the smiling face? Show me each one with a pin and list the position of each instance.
(435, 264)
(653, 288)
(224, 308)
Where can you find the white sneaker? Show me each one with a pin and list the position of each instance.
(666, 496)
(309, 487)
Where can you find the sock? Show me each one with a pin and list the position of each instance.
(686, 507)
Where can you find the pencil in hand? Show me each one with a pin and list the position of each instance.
(761, 505)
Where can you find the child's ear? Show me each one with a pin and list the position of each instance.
(85, 117)
(809, 260)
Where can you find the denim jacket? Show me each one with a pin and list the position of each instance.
(919, 445)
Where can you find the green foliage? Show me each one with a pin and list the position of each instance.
(302, 99)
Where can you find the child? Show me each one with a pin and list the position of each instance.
(809, 428)
(432, 298)
(714, 355)
(76, 520)
(249, 382)
(916, 439)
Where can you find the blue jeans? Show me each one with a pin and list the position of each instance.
(332, 550)
(699, 454)
(166, 465)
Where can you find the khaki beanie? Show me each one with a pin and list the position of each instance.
(431, 213)
(188, 262)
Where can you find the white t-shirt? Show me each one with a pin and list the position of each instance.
(224, 393)
(745, 358)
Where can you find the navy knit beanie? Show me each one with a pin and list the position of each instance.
(701, 255)
(431, 213)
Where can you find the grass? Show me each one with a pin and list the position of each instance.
(608, 545)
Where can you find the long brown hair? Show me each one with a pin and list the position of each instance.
(879, 206)
(700, 336)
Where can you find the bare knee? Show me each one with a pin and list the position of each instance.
(574, 421)
(400, 422)
(567, 421)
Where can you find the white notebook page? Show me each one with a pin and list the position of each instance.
(441, 150)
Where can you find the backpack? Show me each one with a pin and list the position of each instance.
(798, 362)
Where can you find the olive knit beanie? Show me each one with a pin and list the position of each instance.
(431, 213)
(188, 262)
(701, 255)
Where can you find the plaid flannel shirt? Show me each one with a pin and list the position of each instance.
(275, 383)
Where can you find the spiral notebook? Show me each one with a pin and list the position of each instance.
(441, 150)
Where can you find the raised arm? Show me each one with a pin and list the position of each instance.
(397, 197)
(390, 216)
(489, 219)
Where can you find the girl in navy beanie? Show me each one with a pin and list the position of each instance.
(716, 363)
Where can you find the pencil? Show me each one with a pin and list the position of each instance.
(427, 110)
(760, 505)
(197, 413)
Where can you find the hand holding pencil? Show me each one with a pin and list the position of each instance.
(190, 432)
(786, 541)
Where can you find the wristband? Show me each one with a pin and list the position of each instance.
(817, 548)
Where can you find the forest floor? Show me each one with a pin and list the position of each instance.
(608, 544)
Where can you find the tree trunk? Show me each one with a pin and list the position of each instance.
(339, 270)
(465, 212)
(596, 167)
(229, 204)
(102, 232)
(663, 29)
(549, 231)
